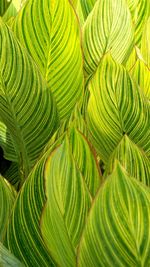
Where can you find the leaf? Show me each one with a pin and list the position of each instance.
(117, 230)
(13, 9)
(87, 6)
(141, 74)
(12, 175)
(50, 32)
(132, 158)
(3, 6)
(115, 108)
(7, 259)
(86, 160)
(68, 197)
(7, 197)
(107, 29)
(23, 236)
(140, 11)
(27, 107)
(145, 42)
(67, 206)
(6, 143)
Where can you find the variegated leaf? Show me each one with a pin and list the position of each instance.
(117, 232)
(50, 32)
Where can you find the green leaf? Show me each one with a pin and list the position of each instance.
(61, 182)
(140, 11)
(6, 143)
(86, 161)
(50, 32)
(13, 9)
(141, 74)
(115, 108)
(23, 236)
(12, 175)
(145, 43)
(117, 232)
(27, 107)
(87, 6)
(7, 259)
(107, 28)
(7, 197)
(132, 158)
(3, 6)
(68, 202)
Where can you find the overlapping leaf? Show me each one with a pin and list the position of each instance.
(68, 186)
(87, 6)
(145, 43)
(13, 9)
(7, 197)
(50, 32)
(67, 206)
(132, 158)
(108, 28)
(3, 6)
(140, 11)
(141, 74)
(27, 107)
(117, 232)
(115, 108)
(7, 259)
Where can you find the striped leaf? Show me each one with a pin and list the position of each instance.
(13, 9)
(3, 6)
(131, 59)
(140, 11)
(12, 175)
(132, 158)
(141, 74)
(87, 6)
(61, 179)
(108, 28)
(23, 236)
(115, 108)
(6, 143)
(67, 206)
(145, 43)
(86, 161)
(7, 259)
(50, 32)
(27, 107)
(117, 232)
(7, 197)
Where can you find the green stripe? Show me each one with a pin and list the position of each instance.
(27, 107)
(116, 107)
(117, 230)
(50, 32)
(107, 28)
(7, 198)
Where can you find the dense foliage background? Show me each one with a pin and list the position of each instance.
(75, 133)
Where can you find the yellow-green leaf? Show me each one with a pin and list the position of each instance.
(27, 107)
(141, 74)
(7, 259)
(117, 232)
(140, 11)
(58, 194)
(7, 198)
(132, 158)
(50, 32)
(145, 43)
(116, 107)
(68, 202)
(107, 28)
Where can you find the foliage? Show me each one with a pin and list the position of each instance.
(74, 133)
